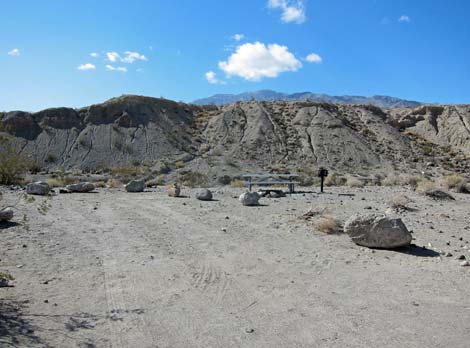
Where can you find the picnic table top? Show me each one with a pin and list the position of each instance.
(268, 175)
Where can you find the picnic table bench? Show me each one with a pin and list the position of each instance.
(271, 179)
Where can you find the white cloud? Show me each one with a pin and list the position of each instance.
(404, 19)
(94, 54)
(253, 61)
(131, 57)
(118, 68)
(87, 66)
(113, 56)
(238, 37)
(211, 77)
(293, 11)
(14, 52)
(314, 58)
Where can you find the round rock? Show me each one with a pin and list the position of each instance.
(82, 187)
(377, 231)
(204, 195)
(39, 188)
(249, 198)
(6, 214)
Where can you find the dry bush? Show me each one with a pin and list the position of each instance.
(55, 182)
(99, 184)
(400, 202)
(411, 180)
(352, 181)
(391, 179)
(179, 164)
(425, 186)
(452, 181)
(335, 180)
(12, 166)
(114, 183)
(237, 183)
(194, 179)
(328, 224)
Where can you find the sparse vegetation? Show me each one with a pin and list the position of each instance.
(12, 165)
(114, 183)
(179, 164)
(425, 186)
(193, 179)
(155, 182)
(453, 181)
(335, 180)
(400, 202)
(354, 182)
(237, 183)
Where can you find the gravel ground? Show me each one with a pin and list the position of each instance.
(115, 269)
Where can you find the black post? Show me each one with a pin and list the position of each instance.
(322, 178)
(322, 173)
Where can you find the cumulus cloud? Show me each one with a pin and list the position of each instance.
(314, 58)
(254, 61)
(87, 66)
(404, 19)
(14, 52)
(118, 68)
(131, 57)
(94, 54)
(238, 37)
(212, 78)
(293, 11)
(113, 56)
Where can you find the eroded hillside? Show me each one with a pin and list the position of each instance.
(254, 135)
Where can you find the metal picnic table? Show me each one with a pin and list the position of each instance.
(271, 179)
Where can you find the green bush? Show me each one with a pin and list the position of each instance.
(12, 165)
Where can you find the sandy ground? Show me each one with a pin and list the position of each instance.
(114, 269)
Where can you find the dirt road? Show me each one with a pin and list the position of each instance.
(114, 269)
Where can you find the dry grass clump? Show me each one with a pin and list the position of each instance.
(354, 182)
(194, 179)
(114, 183)
(394, 179)
(400, 202)
(179, 164)
(335, 180)
(453, 181)
(55, 182)
(425, 186)
(237, 183)
(328, 224)
(100, 184)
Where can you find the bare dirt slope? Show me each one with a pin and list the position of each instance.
(252, 135)
(113, 269)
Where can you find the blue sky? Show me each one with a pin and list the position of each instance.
(187, 49)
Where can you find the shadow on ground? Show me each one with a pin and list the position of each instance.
(418, 251)
(7, 224)
(15, 330)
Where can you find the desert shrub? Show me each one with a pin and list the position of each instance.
(113, 183)
(51, 158)
(99, 184)
(328, 223)
(237, 183)
(6, 276)
(12, 166)
(391, 179)
(463, 187)
(452, 181)
(335, 180)
(155, 182)
(352, 181)
(55, 182)
(193, 179)
(425, 186)
(400, 202)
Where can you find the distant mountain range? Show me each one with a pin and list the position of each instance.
(377, 100)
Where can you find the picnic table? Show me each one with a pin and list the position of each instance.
(271, 179)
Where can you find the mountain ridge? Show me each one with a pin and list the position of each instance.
(381, 101)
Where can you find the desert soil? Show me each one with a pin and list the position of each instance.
(114, 269)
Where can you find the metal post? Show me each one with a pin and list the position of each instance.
(322, 179)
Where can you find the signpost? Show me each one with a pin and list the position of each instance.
(322, 173)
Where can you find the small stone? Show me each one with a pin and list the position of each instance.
(6, 214)
(204, 195)
(461, 257)
(249, 330)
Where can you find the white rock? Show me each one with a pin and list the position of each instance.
(249, 198)
(377, 231)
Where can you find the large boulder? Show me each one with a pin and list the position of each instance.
(249, 198)
(82, 187)
(39, 188)
(377, 231)
(204, 195)
(135, 186)
(6, 214)
(173, 190)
